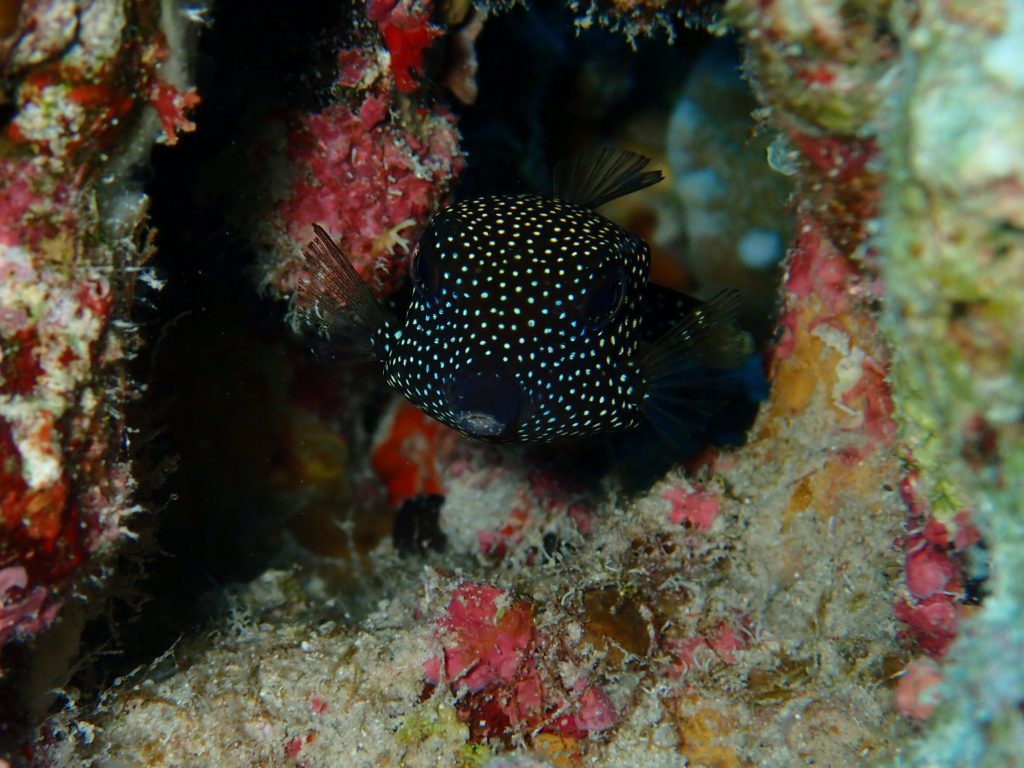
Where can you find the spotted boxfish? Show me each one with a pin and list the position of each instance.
(532, 318)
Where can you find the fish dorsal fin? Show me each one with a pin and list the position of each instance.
(595, 176)
(333, 298)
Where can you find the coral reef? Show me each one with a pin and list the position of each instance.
(588, 628)
(372, 166)
(91, 86)
(844, 588)
(874, 101)
(951, 231)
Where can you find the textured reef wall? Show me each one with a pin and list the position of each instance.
(845, 588)
(88, 88)
(954, 259)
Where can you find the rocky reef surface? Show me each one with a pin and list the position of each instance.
(840, 587)
(88, 88)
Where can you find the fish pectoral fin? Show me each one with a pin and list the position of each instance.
(661, 308)
(333, 299)
(595, 176)
(688, 370)
(707, 335)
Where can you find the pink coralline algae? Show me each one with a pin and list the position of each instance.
(22, 609)
(932, 622)
(317, 705)
(488, 638)
(720, 642)
(917, 691)
(830, 294)
(53, 428)
(367, 181)
(835, 286)
(25, 221)
(593, 713)
(934, 577)
(374, 166)
(68, 259)
(817, 268)
(692, 507)
(490, 660)
(293, 747)
(841, 160)
(930, 570)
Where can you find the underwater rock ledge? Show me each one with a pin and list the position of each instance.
(953, 239)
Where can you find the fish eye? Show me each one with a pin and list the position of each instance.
(424, 261)
(424, 270)
(604, 297)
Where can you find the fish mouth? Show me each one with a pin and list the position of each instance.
(479, 424)
(485, 402)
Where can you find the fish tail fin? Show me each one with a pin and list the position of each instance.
(332, 298)
(593, 177)
(691, 370)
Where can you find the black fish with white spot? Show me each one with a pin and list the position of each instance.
(527, 321)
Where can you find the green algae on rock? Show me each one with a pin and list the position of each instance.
(953, 238)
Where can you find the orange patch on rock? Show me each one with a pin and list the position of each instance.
(701, 733)
(406, 459)
(560, 751)
(808, 364)
(823, 491)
